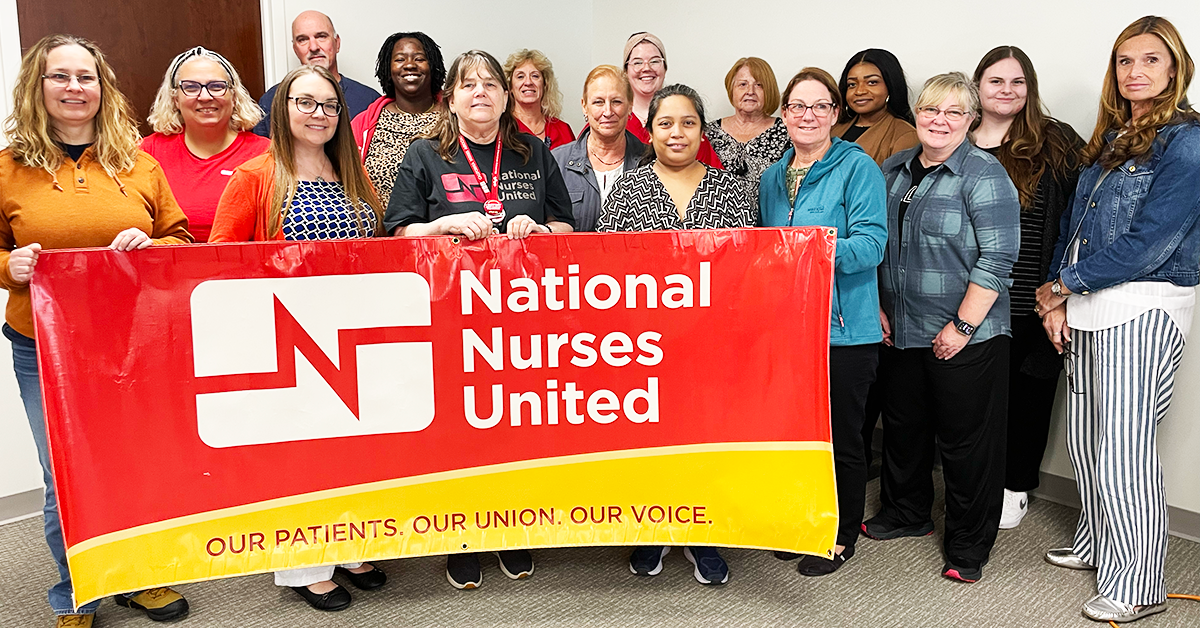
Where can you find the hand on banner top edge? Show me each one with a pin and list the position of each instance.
(130, 239)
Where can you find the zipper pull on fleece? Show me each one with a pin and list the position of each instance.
(840, 321)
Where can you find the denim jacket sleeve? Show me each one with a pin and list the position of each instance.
(866, 219)
(1166, 215)
(995, 212)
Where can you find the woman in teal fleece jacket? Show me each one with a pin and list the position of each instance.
(824, 181)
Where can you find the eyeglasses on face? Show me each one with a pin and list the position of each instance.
(655, 64)
(952, 115)
(63, 80)
(821, 109)
(309, 105)
(216, 89)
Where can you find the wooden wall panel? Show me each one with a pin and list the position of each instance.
(140, 37)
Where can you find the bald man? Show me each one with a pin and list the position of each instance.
(315, 42)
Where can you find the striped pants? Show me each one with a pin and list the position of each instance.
(1120, 382)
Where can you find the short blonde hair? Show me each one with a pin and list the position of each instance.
(612, 72)
(762, 72)
(951, 84)
(164, 114)
(551, 96)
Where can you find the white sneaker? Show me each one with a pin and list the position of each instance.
(1015, 507)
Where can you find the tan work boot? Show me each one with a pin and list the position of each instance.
(74, 621)
(162, 604)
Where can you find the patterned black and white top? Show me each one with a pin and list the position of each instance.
(640, 202)
(750, 160)
(394, 132)
(321, 211)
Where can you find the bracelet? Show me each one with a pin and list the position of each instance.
(547, 228)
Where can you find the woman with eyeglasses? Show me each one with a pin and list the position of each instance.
(310, 185)
(645, 60)
(1121, 303)
(1041, 155)
(674, 190)
(536, 101)
(203, 120)
(73, 177)
(953, 234)
(752, 139)
(825, 181)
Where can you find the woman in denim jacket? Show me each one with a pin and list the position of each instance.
(1120, 303)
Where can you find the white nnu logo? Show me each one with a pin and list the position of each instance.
(307, 358)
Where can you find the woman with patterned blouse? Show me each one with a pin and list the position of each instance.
(310, 185)
(675, 191)
(752, 139)
(410, 72)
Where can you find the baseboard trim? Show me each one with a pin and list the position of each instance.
(1184, 524)
(21, 505)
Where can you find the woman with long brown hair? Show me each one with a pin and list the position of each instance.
(73, 177)
(1120, 304)
(1041, 155)
(310, 185)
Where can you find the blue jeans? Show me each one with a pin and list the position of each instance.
(25, 364)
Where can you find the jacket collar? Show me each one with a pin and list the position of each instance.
(954, 163)
(576, 154)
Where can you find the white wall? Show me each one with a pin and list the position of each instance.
(1068, 41)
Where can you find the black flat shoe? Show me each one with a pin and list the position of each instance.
(785, 555)
(334, 600)
(366, 580)
(813, 566)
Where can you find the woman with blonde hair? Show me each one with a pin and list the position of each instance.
(203, 120)
(537, 101)
(752, 139)
(1120, 303)
(953, 232)
(71, 177)
(605, 149)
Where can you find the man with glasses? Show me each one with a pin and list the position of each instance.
(315, 42)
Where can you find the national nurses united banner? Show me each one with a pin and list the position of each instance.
(234, 409)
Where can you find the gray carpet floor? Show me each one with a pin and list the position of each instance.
(892, 584)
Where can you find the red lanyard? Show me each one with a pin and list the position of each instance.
(493, 207)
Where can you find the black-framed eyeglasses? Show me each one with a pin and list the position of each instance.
(216, 89)
(953, 115)
(821, 109)
(62, 80)
(309, 105)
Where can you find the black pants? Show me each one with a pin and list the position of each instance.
(962, 405)
(1032, 383)
(851, 373)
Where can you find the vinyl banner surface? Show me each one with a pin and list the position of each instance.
(233, 409)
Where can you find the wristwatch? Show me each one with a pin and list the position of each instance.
(963, 327)
(1056, 289)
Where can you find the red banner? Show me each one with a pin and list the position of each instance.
(230, 409)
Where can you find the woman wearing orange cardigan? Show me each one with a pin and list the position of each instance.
(309, 186)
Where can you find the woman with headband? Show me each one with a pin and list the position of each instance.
(203, 119)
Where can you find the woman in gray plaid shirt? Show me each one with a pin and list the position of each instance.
(953, 236)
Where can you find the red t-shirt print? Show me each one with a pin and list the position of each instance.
(462, 188)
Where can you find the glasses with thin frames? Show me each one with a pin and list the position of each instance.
(655, 64)
(309, 105)
(1069, 365)
(216, 89)
(952, 115)
(821, 109)
(62, 80)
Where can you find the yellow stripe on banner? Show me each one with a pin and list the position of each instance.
(755, 495)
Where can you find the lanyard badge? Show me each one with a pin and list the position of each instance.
(493, 207)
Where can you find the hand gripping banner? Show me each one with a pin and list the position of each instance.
(233, 409)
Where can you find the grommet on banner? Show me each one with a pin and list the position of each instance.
(456, 239)
(464, 546)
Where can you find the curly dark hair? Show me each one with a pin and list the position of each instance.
(433, 52)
